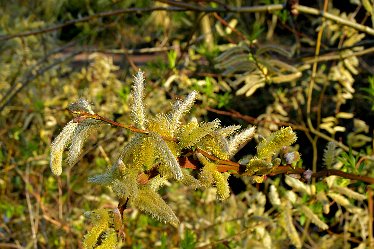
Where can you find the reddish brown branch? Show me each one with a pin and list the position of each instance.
(335, 172)
(252, 120)
(223, 21)
(224, 165)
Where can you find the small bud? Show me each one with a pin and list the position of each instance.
(292, 157)
(308, 175)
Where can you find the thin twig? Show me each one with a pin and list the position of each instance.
(337, 19)
(253, 120)
(190, 7)
(311, 88)
(330, 57)
(10, 92)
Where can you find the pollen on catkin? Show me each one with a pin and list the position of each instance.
(58, 146)
(284, 137)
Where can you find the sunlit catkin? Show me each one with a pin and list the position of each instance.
(137, 108)
(150, 202)
(278, 139)
(58, 146)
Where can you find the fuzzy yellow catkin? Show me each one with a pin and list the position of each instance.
(167, 157)
(156, 182)
(80, 135)
(256, 164)
(239, 140)
(209, 176)
(125, 187)
(274, 196)
(314, 218)
(283, 137)
(223, 190)
(228, 130)
(191, 134)
(189, 180)
(180, 109)
(100, 219)
(145, 156)
(109, 240)
(206, 174)
(160, 124)
(322, 198)
(349, 193)
(150, 202)
(58, 146)
(215, 144)
(137, 108)
(298, 185)
(341, 200)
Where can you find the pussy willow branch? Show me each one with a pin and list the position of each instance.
(223, 165)
(189, 7)
(253, 120)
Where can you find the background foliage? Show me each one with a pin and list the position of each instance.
(250, 68)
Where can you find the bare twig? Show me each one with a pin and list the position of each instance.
(310, 91)
(337, 19)
(330, 57)
(189, 7)
(253, 120)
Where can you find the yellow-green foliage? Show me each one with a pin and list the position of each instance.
(268, 147)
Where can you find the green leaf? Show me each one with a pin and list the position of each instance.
(189, 240)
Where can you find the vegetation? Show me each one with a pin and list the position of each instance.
(297, 78)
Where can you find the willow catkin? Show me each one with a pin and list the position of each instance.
(137, 108)
(149, 201)
(314, 218)
(278, 139)
(58, 146)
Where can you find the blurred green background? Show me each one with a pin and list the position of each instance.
(255, 68)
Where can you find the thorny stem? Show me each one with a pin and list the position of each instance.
(224, 165)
